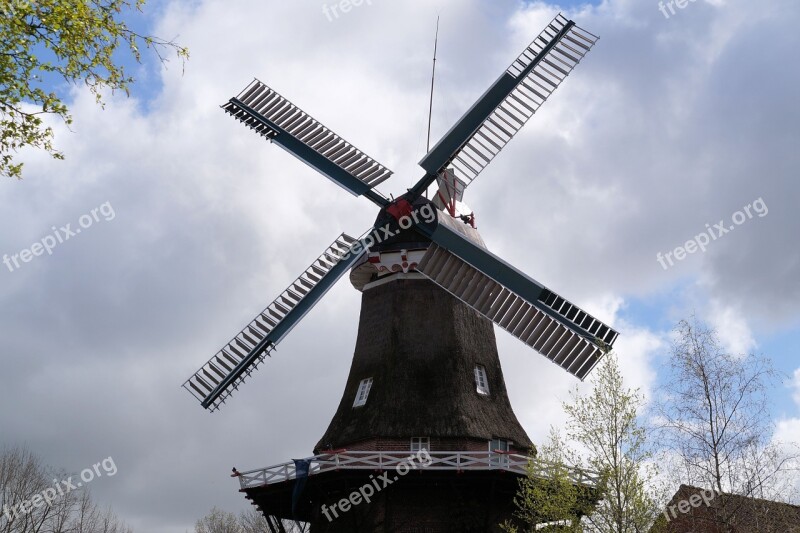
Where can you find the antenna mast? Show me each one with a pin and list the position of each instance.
(433, 78)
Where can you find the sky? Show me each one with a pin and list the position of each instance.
(674, 121)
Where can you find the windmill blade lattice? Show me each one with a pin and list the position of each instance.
(222, 374)
(576, 344)
(507, 106)
(276, 118)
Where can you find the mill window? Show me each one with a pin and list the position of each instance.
(420, 443)
(363, 392)
(481, 382)
(497, 445)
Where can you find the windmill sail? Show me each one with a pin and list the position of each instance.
(500, 113)
(222, 374)
(276, 118)
(560, 331)
(542, 319)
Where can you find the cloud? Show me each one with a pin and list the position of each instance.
(788, 427)
(734, 332)
(796, 386)
(787, 432)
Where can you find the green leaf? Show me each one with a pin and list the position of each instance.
(80, 40)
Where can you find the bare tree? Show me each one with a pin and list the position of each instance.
(21, 475)
(253, 521)
(715, 419)
(87, 517)
(250, 521)
(24, 479)
(218, 521)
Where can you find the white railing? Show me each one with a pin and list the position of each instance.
(454, 461)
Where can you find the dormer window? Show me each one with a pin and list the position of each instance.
(481, 382)
(363, 392)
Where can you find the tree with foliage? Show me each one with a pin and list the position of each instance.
(546, 495)
(44, 42)
(602, 425)
(605, 423)
(23, 477)
(716, 424)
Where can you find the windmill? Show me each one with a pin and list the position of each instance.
(430, 293)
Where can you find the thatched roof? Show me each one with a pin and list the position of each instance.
(421, 345)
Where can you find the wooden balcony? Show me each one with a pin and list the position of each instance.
(456, 461)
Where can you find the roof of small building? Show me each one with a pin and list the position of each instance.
(706, 511)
